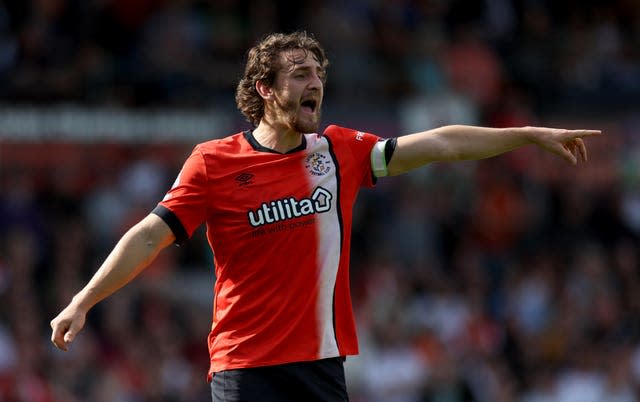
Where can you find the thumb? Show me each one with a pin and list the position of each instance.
(73, 330)
(68, 337)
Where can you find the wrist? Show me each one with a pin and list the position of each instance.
(526, 134)
(81, 303)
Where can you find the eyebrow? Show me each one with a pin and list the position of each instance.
(299, 67)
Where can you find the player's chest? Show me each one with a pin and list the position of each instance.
(276, 180)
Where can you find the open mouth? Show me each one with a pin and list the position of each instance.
(309, 105)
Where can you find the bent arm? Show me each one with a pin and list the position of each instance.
(454, 143)
(132, 254)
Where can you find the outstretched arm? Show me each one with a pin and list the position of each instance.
(454, 143)
(134, 252)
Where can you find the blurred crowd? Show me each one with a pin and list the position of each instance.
(189, 53)
(514, 279)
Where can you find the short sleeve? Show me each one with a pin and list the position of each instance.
(359, 144)
(185, 206)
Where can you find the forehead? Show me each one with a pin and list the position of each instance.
(296, 58)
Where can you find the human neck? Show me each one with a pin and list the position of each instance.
(279, 139)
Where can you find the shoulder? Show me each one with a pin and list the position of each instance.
(343, 134)
(220, 146)
(349, 136)
(334, 130)
(211, 157)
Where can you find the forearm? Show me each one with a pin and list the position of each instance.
(132, 254)
(454, 143)
(472, 142)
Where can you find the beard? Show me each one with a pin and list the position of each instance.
(291, 112)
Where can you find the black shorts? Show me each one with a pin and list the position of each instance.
(320, 380)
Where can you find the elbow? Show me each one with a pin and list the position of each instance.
(151, 236)
(151, 240)
(395, 170)
(400, 167)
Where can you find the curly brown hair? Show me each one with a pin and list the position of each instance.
(263, 63)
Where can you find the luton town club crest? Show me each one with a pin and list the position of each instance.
(318, 164)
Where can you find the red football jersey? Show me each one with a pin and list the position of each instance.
(279, 226)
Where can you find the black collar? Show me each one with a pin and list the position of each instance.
(248, 135)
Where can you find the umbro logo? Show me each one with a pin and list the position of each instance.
(244, 178)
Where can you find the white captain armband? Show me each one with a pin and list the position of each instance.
(381, 155)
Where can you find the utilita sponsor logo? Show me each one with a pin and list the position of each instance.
(291, 208)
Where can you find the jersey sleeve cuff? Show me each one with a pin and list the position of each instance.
(381, 154)
(173, 222)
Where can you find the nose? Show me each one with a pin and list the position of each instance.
(315, 82)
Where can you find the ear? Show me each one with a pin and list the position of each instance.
(265, 91)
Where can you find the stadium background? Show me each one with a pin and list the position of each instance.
(510, 279)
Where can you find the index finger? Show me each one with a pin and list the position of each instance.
(581, 133)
